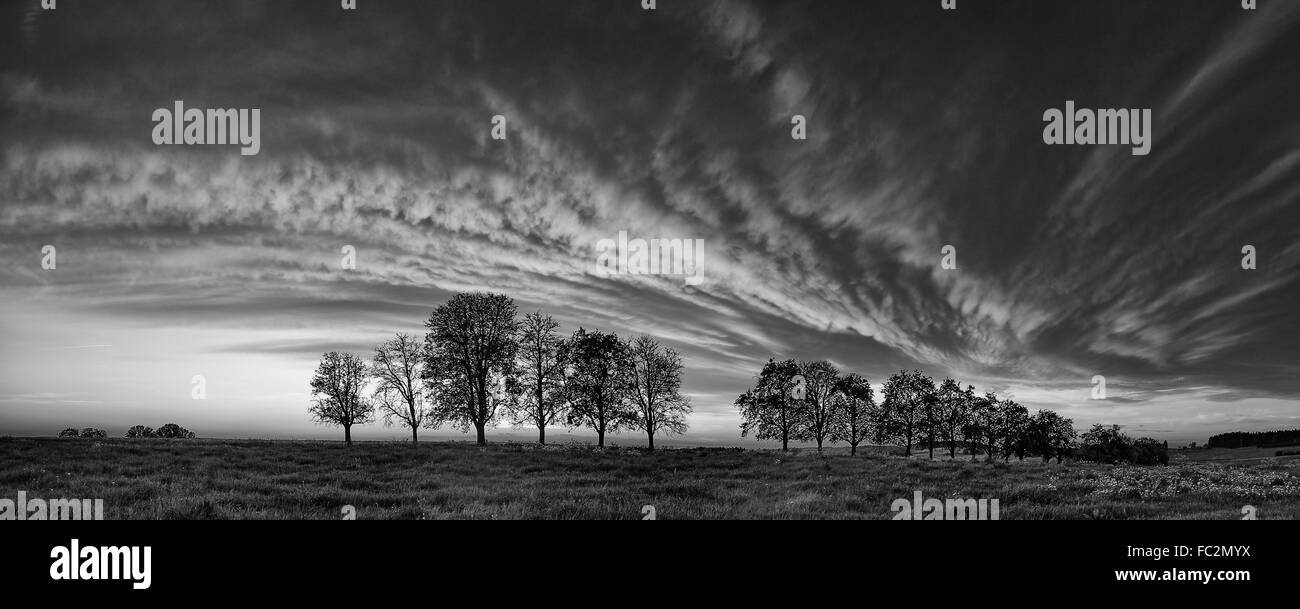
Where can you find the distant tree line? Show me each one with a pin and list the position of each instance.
(170, 430)
(479, 364)
(812, 401)
(1262, 439)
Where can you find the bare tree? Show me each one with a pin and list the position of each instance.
(398, 368)
(336, 388)
(653, 379)
(854, 411)
(469, 359)
(541, 374)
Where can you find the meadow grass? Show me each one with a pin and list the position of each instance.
(236, 479)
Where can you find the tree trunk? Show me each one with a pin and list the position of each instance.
(819, 444)
(482, 437)
(541, 435)
(853, 449)
(600, 437)
(785, 441)
(347, 434)
(651, 437)
(952, 449)
(414, 437)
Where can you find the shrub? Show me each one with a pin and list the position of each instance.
(1147, 451)
(91, 432)
(69, 433)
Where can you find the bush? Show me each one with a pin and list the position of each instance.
(91, 432)
(69, 433)
(172, 430)
(141, 431)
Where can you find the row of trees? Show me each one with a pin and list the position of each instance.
(1238, 439)
(811, 401)
(170, 430)
(479, 364)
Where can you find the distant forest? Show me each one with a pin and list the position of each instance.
(1262, 439)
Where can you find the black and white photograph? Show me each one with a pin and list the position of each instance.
(745, 260)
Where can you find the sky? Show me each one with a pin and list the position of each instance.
(924, 130)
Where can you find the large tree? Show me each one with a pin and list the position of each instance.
(653, 381)
(469, 354)
(1053, 434)
(398, 370)
(985, 425)
(907, 397)
(854, 411)
(336, 389)
(952, 410)
(541, 368)
(820, 380)
(774, 408)
(1014, 429)
(595, 385)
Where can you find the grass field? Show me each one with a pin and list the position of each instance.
(207, 479)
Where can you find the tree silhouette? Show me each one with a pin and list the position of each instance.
(819, 414)
(397, 369)
(769, 410)
(907, 397)
(653, 380)
(541, 374)
(855, 411)
(470, 358)
(596, 388)
(336, 389)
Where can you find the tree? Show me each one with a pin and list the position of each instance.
(336, 390)
(1014, 429)
(819, 407)
(69, 433)
(653, 380)
(172, 430)
(986, 423)
(1104, 444)
(1053, 434)
(398, 371)
(907, 395)
(91, 432)
(772, 410)
(470, 358)
(541, 374)
(141, 431)
(952, 412)
(854, 412)
(596, 389)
